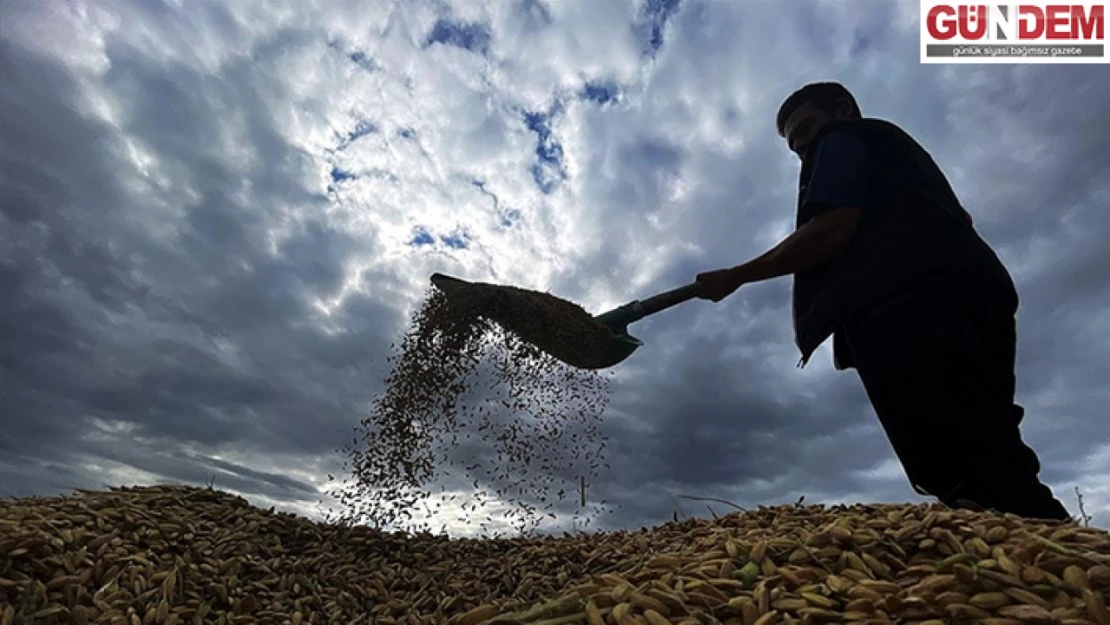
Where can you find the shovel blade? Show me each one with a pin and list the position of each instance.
(614, 348)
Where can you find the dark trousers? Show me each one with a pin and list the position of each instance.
(939, 370)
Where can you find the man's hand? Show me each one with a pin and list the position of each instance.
(719, 284)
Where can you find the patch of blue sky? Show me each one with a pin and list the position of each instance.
(473, 37)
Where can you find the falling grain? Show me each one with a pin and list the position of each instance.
(477, 385)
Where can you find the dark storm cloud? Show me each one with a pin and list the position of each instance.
(180, 321)
(718, 419)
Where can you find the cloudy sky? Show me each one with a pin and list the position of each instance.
(217, 216)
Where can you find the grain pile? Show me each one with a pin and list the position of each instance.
(474, 386)
(178, 555)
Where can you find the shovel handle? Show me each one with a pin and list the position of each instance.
(665, 300)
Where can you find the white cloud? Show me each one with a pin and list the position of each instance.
(888, 470)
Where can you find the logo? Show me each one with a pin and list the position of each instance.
(1029, 32)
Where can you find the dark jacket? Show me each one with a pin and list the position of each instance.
(913, 234)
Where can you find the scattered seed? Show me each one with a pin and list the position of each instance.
(476, 386)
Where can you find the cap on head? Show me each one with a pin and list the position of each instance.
(826, 96)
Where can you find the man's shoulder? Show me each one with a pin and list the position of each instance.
(877, 125)
(868, 129)
(886, 137)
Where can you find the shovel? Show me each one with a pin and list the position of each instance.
(619, 344)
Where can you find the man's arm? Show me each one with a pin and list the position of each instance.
(836, 196)
(820, 240)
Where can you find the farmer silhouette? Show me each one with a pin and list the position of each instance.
(886, 260)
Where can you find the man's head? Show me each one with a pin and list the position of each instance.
(809, 109)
